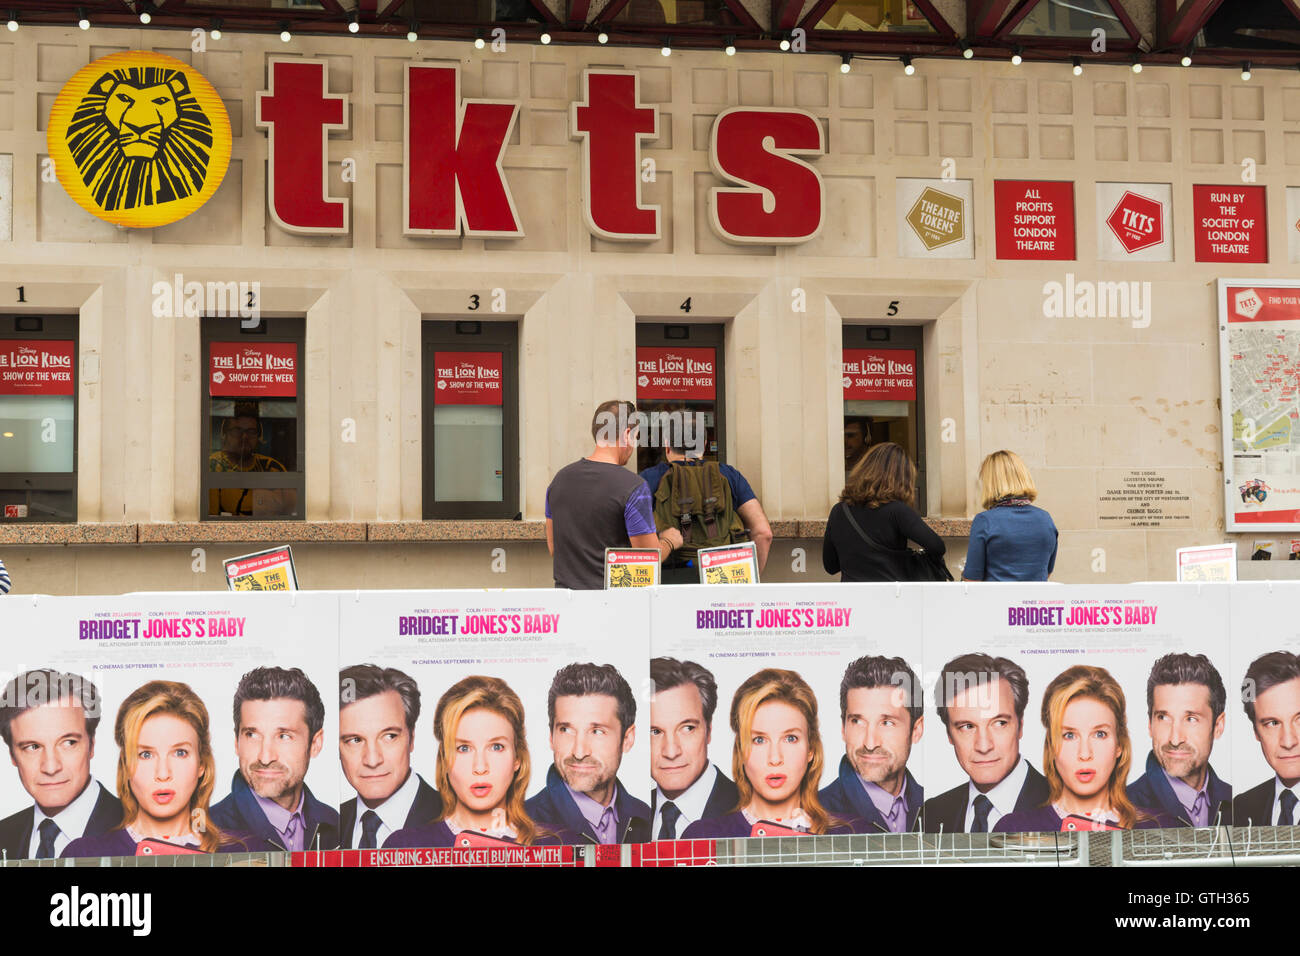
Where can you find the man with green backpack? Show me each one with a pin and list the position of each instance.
(711, 504)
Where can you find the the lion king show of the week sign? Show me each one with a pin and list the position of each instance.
(139, 139)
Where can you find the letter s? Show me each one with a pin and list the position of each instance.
(780, 199)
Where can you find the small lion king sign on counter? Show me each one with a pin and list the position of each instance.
(631, 568)
(729, 564)
(263, 571)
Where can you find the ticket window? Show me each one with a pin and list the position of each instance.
(882, 388)
(471, 419)
(679, 390)
(38, 418)
(253, 406)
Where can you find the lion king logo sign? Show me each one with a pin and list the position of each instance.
(139, 139)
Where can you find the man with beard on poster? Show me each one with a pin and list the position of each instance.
(279, 728)
(1185, 713)
(592, 713)
(881, 719)
(981, 702)
(688, 787)
(48, 721)
(378, 711)
(1270, 694)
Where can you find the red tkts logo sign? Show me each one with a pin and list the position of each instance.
(467, 378)
(1138, 222)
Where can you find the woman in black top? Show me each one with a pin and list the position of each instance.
(880, 492)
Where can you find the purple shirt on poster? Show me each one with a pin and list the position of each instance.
(289, 824)
(603, 820)
(1195, 802)
(892, 808)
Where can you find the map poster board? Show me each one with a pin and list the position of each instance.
(1259, 368)
(631, 568)
(729, 564)
(1211, 562)
(270, 570)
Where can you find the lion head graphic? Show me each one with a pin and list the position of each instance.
(140, 138)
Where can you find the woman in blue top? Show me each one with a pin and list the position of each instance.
(1010, 540)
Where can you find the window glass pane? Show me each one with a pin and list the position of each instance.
(1070, 18)
(253, 502)
(19, 502)
(467, 454)
(690, 425)
(681, 12)
(253, 436)
(875, 15)
(36, 433)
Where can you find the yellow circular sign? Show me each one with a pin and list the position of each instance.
(139, 139)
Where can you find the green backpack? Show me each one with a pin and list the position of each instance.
(696, 500)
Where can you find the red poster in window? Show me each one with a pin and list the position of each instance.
(467, 378)
(35, 367)
(1231, 223)
(1034, 220)
(880, 375)
(261, 370)
(676, 375)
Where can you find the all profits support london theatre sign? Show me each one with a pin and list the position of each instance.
(141, 139)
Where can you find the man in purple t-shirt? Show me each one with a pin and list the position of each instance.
(596, 503)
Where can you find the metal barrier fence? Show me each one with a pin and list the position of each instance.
(1209, 846)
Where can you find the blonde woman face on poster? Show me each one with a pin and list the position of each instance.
(484, 762)
(166, 773)
(779, 752)
(1087, 751)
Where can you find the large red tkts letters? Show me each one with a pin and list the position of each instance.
(780, 199)
(298, 112)
(453, 178)
(611, 122)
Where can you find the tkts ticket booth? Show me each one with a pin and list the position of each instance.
(360, 294)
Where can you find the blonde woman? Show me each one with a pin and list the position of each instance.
(482, 772)
(165, 777)
(1086, 758)
(776, 760)
(1011, 540)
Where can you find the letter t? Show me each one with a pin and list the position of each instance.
(611, 122)
(298, 112)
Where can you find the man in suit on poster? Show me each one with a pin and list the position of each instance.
(1270, 694)
(279, 728)
(378, 711)
(1185, 713)
(688, 787)
(48, 721)
(981, 702)
(592, 714)
(881, 720)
